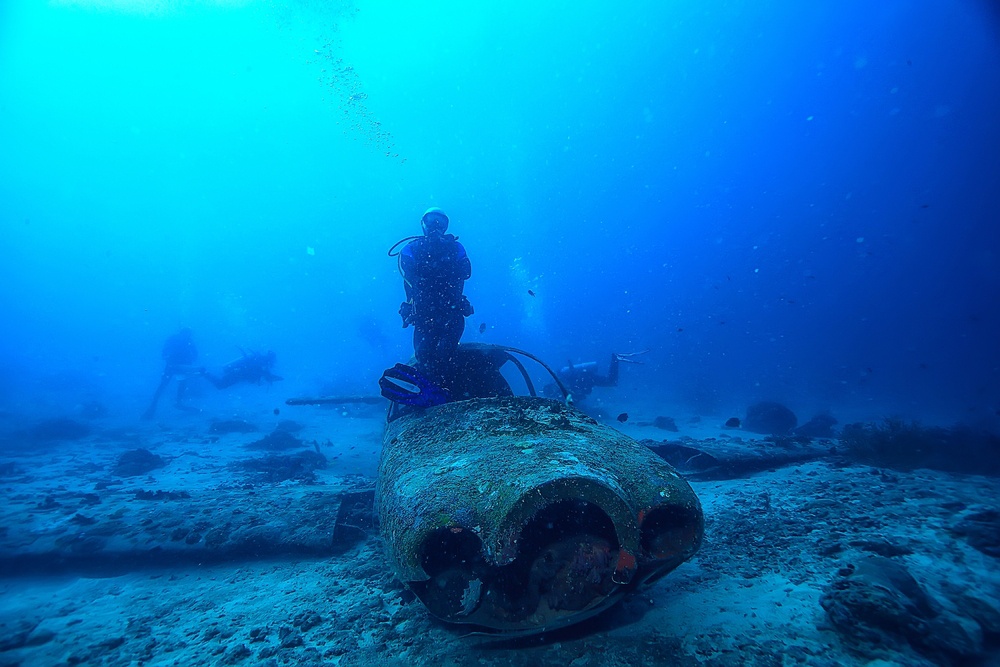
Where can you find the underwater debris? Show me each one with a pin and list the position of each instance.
(666, 423)
(819, 426)
(877, 607)
(731, 458)
(137, 462)
(82, 520)
(895, 443)
(289, 426)
(559, 540)
(981, 530)
(769, 418)
(356, 517)
(276, 441)
(274, 468)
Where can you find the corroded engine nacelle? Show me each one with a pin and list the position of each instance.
(522, 514)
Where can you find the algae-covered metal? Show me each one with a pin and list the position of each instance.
(522, 514)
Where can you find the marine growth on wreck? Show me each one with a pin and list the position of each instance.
(522, 514)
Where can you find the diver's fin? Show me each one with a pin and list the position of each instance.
(405, 384)
(627, 356)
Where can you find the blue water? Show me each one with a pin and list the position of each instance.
(782, 201)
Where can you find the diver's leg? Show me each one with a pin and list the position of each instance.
(613, 371)
(421, 344)
(431, 350)
(448, 334)
(435, 340)
(182, 388)
(609, 380)
(164, 381)
(220, 382)
(457, 329)
(616, 359)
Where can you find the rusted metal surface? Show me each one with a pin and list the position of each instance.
(522, 514)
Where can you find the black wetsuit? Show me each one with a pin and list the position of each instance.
(580, 379)
(179, 354)
(250, 368)
(435, 268)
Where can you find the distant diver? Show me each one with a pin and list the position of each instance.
(179, 355)
(251, 368)
(434, 268)
(580, 379)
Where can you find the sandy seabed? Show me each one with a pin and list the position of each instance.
(208, 561)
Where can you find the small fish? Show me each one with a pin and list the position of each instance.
(530, 293)
(623, 417)
(482, 328)
(277, 411)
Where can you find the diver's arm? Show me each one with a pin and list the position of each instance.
(612, 378)
(463, 262)
(407, 269)
(217, 381)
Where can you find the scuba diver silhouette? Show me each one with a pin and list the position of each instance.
(179, 354)
(434, 268)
